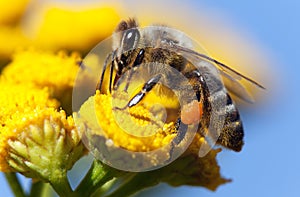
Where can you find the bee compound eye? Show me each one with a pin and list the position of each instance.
(130, 39)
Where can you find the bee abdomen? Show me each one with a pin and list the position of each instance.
(232, 132)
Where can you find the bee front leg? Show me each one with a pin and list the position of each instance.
(148, 86)
(138, 60)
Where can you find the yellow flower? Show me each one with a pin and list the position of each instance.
(55, 27)
(18, 101)
(43, 69)
(75, 28)
(34, 85)
(116, 125)
(12, 11)
(34, 137)
(11, 38)
(44, 144)
(188, 169)
(21, 99)
(57, 72)
(140, 129)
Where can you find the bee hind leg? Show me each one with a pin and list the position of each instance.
(181, 128)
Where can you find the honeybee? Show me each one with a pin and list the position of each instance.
(133, 46)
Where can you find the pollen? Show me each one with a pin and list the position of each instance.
(135, 129)
(192, 112)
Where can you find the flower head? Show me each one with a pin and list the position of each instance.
(12, 38)
(73, 27)
(53, 26)
(12, 11)
(18, 101)
(54, 71)
(43, 142)
(144, 134)
(31, 126)
(57, 71)
(188, 169)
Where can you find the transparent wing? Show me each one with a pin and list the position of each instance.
(231, 78)
(233, 85)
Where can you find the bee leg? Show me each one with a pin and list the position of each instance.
(202, 94)
(108, 58)
(201, 90)
(146, 88)
(181, 132)
(111, 76)
(181, 128)
(81, 64)
(231, 135)
(199, 83)
(138, 60)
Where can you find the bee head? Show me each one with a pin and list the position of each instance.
(126, 39)
(127, 35)
(124, 25)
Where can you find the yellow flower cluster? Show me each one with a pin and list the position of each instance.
(55, 71)
(31, 84)
(53, 26)
(76, 29)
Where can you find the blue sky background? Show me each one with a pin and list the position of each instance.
(269, 164)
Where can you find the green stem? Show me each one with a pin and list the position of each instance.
(62, 186)
(98, 175)
(37, 189)
(139, 182)
(14, 184)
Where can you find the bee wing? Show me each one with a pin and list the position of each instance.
(234, 86)
(231, 78)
